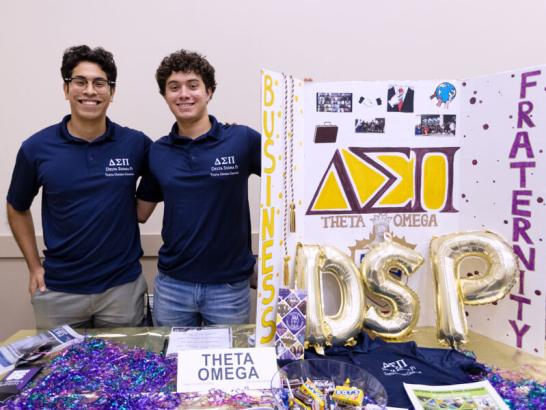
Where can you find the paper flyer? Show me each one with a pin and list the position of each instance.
(477, 396)
(186, 338)
(53, 340)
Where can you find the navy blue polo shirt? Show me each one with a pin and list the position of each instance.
(394, 364)
(89, 218)
(204, 184)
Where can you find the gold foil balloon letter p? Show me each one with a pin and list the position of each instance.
(453, 292)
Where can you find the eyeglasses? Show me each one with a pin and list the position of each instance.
(101, 85)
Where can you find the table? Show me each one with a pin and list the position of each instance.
(488, 351)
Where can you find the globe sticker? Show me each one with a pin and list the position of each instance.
(444, 94)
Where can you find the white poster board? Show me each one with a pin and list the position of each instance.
(417, 159)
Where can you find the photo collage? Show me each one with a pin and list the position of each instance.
(422, 109)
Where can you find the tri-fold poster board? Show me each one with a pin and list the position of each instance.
(346, 162)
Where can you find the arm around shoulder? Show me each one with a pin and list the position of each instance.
(144, 210)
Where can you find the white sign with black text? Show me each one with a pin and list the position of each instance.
(225, 369)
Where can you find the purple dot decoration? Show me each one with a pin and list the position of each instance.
(538, 292)
(540, 200)
(474, 162)
(485, 126)
(473, 100)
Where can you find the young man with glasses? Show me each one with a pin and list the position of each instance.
(87, 167)
(200, 170)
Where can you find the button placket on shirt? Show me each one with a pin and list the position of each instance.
(92, 154)
(191, 155)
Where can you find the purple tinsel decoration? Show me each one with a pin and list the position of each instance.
(518, 392)
(98, 374)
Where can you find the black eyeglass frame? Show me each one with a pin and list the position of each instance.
(70, 79)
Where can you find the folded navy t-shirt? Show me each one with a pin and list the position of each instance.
(396, 363)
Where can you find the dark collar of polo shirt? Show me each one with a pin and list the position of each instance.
(108, 135)
(214, 133)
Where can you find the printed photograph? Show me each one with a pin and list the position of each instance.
(370, 102)
(433, 124)
(325, 133)
(373, 126)
(334, 102)
(400, 98)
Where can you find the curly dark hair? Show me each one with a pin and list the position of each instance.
(74, 55)
(186, 62)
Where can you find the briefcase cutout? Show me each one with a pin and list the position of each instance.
(326, 133)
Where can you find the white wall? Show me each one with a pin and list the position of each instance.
(343, 40)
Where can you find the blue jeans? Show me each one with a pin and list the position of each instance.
(179, 303)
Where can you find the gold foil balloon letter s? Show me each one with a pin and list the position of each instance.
(312, 261)
(453, 292)
(404, 302)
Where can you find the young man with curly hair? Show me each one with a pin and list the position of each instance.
(200, 170)
(87, 167)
